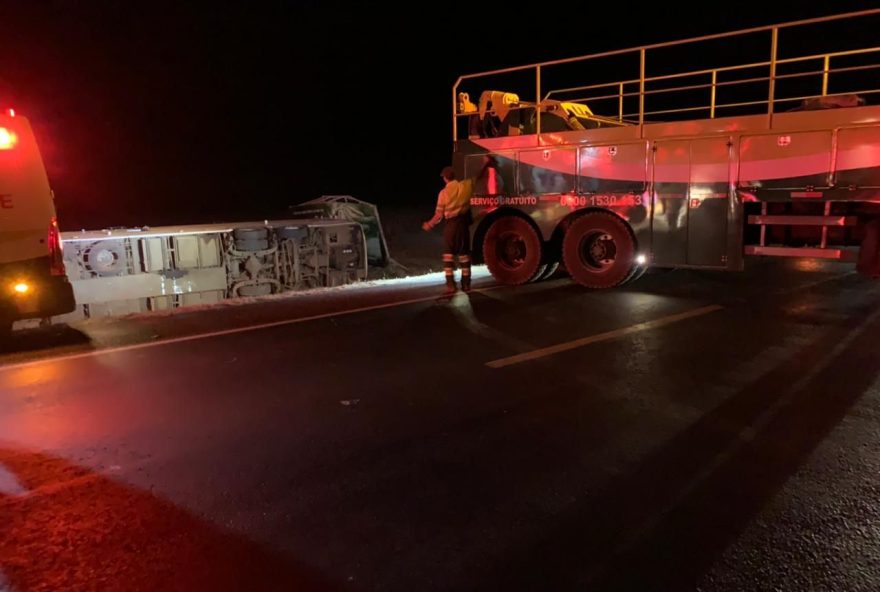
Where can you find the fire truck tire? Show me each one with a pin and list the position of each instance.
(512, 250)
(598, 250)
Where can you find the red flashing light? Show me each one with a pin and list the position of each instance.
(8, 139)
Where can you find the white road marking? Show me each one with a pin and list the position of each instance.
(608, 335)
(196, 337)
(746, 435)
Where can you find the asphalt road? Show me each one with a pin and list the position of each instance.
(692, 431)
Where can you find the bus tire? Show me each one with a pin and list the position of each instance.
(106, 258)
(255, 290)
(599, 250)
(512, 250)
(297, 233)
(251, 239)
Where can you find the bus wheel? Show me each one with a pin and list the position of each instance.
(599, 250)
(512, 250)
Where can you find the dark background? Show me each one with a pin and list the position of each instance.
(151, 113)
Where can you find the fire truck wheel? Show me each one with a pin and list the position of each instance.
(598, 250)
(512, 250)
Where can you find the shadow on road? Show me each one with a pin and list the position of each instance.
(44, 338)
(63, 527)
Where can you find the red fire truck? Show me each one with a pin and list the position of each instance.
(33, 283)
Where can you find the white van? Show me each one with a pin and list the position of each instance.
(33, 283)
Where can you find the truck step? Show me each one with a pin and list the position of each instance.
(804, 220)
(811, 252)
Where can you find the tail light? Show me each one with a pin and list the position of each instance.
(8, 139)
(56, 253)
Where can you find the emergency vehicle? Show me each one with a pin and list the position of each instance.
(33, 283)
(776, 155)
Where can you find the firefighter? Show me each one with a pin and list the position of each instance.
(454, 206)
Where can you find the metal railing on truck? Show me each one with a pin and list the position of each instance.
(823, 69)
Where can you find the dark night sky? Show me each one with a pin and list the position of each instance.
(152, 112)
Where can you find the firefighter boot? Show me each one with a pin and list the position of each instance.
(449, 270)
(464, 262)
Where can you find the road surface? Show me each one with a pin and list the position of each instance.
(692, 431)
